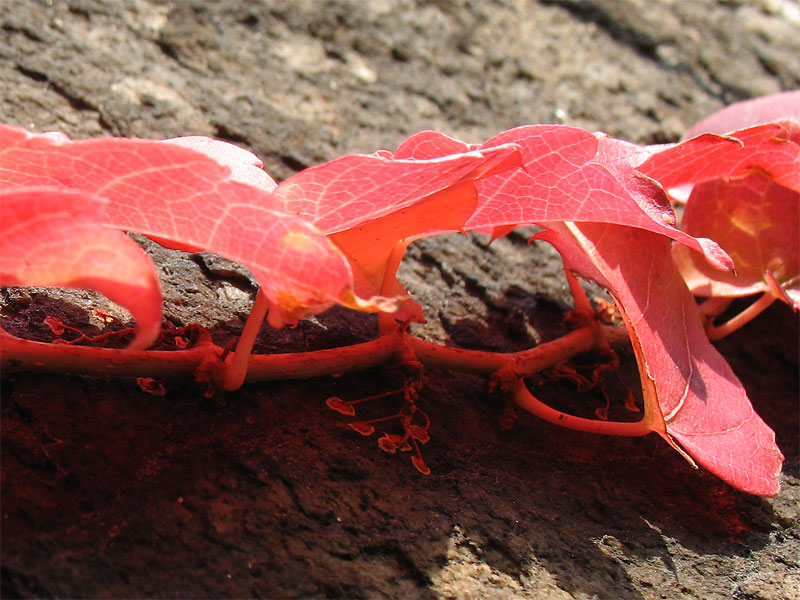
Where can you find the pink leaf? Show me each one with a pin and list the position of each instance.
(573, 175)
(744, 193)
(427, 145)
(691, 394)
(359, 188)
(52, 237)
(785, 105)
(180, 195)
(756, 221)
(373, 206)
(245, 166)
(773, 148)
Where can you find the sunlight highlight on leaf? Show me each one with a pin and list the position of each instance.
(190, 201)
(373, 206)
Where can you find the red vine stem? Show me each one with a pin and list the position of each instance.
(20, 354)
(523, 397)
(25, 355)
(525, 362)
(386, 321)
(234, 370)
(17, 354)
(717, 332)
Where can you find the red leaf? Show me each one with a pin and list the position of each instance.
(749, 113)
(359, 188)
(427, 145)
(51, 237)
(420, 465)
(419, 433)
(55, 324)
(744, 193)
(151, 386)
(390, 442)
(773, 148)
(175, 193)
(373, 206)
(756, 221)
(691, 394)
(574, 175)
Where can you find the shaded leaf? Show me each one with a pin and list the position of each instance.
(758, 222)
(420, 465)
(340, 406)
(363, 428)
(52, 237)
(150, 386)
(419, 433)
(391, 442)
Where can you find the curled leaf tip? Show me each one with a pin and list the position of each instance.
(375, 304)
(715, 255)
(788, 292)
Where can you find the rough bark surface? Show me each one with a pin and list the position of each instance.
(108, 491)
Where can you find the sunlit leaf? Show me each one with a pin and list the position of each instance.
(773, 148)
(744, 192)
(373, 206)
(741, 115)
(569, 174)
(183, 197)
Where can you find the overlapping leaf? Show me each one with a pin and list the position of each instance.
(691, 393)
(245, 166)
(372, 206)
(766, 109)
(53, 237)
(181, 196)
(601, 199)
(771, 147)
(569, 174)
(758, 222)
(745, 194)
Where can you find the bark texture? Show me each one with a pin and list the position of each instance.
(108, 491)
